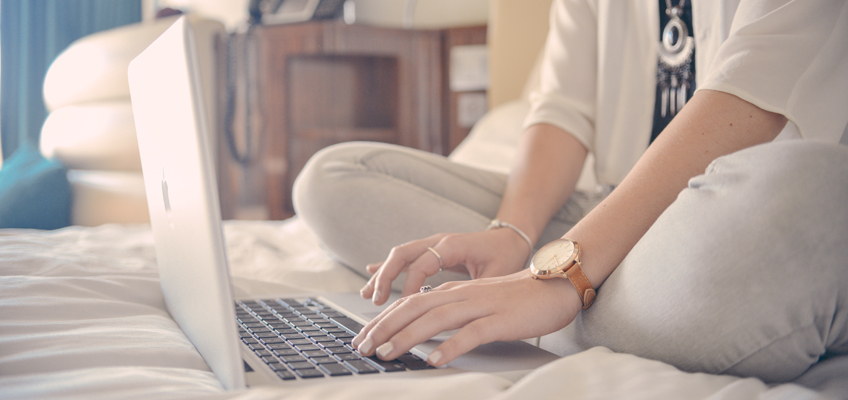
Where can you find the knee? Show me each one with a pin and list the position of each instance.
(797, 172)
(319, 180)
(744, 273)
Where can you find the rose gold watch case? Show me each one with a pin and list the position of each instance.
(562, 268)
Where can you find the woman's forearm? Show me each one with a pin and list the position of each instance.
(545, 173)
(711, 125)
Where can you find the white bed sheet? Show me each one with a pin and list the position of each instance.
(82, 316)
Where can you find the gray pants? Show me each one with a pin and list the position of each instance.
(746, 273)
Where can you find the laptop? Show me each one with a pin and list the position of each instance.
(296, 339)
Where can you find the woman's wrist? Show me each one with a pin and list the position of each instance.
(499, 224)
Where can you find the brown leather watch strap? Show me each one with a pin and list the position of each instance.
(581, 283)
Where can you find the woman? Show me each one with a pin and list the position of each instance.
(738, 270)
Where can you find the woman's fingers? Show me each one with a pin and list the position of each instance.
(372, 268)
(446, 317)
(503, 308)
(412, 320)
(477, 332)
(367, 291)
(401, 258)
(440, 256)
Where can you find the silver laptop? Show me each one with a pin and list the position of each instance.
(293, 339)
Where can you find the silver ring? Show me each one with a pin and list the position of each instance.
(425, 289)
(435, 253)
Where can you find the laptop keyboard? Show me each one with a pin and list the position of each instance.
(307, 339)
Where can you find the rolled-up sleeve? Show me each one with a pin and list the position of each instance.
(791, 58)
(567, 94)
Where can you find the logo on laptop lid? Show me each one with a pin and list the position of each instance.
(167, 199)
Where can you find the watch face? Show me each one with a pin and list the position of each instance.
(553, 254)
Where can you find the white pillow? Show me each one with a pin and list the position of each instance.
(493, 141)
(92, 136)
(94, 67)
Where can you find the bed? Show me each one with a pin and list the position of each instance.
(82, 316)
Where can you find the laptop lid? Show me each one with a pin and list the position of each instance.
(182, 197)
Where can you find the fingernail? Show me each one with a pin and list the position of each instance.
(384, 350)
(434, 357)
(365, 347)
(375, 296)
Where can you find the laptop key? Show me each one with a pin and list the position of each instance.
(412, 362)
(288, 351)
(338, 349)
(309, 329)
(293, 358)
(285, 375)
(301, 365)
(335, 369)
(315, 353)
(388, 366)
(348, 356)
(293, 336)
(263, 352)
(349, 324)
(273, 340)
(324, 360)
(309, 373)
(340, 335)
(277, 366)
(361, 367)
(290, 302)
(332, 346)
(300, 341)
(307, 347)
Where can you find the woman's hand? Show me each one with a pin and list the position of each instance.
(490, 253)
(505, 308)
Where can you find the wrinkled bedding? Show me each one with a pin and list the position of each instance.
(82, 316)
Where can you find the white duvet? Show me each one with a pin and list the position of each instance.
(82, 316)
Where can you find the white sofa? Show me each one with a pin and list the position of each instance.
(90, 127)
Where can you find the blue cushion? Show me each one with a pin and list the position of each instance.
(34, 191)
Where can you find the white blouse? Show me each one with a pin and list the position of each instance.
(598, 78)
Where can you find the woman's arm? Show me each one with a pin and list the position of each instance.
(712, 124)
(545, 173)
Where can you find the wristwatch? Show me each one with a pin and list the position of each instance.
(561, 259)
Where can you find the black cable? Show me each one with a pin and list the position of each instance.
(232, 72)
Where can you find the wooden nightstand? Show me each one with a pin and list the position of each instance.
(327, 82)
